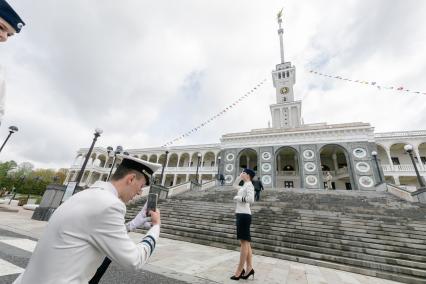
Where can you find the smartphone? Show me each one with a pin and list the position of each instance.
(152, 203)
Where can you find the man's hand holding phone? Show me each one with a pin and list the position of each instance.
(155, 217)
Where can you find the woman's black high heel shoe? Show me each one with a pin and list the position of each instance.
(248, 275)
(233, 277)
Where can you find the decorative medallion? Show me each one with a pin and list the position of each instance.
(266, 155)
(308, 154)
(359, 153)
(363, 167)
(310, 167)
(366, 181)
(230, 157)
(266, 179)
(229, 167)
(311, 180)
(229, 179)
(266, 167)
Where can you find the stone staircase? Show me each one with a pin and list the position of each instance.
(371, 233)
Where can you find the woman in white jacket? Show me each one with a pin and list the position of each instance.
(244, 198)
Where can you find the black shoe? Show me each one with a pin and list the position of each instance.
(248, 275)
(233, 277)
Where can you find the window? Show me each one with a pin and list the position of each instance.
(423, 159)
(288, 74)
(279, 75)
(395, 161)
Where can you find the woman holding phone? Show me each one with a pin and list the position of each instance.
(244, 198)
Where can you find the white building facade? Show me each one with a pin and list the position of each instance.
(289, 154)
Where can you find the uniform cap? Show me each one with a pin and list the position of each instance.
(10, 16)
(144, 167)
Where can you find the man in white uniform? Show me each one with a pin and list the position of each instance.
(10, 23)
(90, 225)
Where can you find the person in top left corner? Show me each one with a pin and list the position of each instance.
(10, 24)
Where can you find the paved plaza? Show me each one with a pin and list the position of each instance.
(172, 262)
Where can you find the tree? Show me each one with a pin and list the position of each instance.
(5, 180)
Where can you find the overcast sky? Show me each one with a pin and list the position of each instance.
(148, 71)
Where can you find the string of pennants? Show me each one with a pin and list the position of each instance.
(371, 83)
(217, 115)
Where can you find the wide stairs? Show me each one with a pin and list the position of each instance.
(371, 233)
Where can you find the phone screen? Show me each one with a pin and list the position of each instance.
(152, 203)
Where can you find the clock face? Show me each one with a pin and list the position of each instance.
(284, 90)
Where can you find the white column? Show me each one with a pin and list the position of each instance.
(296, 166)
(202, 160)
(334, 157)
(396, 178)
(187, 178)
(167, 161)
(88, 178)
(174, 180)
(178, 160)
(190, 160)
(279, 163)
(389, 158)
(164, 179)
(420, 164)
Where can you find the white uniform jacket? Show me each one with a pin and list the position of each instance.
(2, 93)
(80, 233)
(244, 197)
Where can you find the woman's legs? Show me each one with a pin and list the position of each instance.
(249, 259)
(243, 257)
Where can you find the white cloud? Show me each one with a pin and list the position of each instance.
(146, 72)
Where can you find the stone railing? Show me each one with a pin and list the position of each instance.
(402, 168)
(410, 194)
(400, 134)
(179, 189)
(191, 169)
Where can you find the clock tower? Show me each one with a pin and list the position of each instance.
(286, 113)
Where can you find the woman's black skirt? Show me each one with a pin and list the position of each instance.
(243, 226)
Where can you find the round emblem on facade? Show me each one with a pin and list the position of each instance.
(266, 155)
(266, 167)
(308, 154)
(362, 167)
(311, 180)
(310, 167)
(359, 153)
(230, 157)
(366, 181)
(266, 179)
(229, 167)
(229, 179)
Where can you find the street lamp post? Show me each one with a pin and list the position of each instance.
(118, 150)
(409, 149)
(97, 133)
(374, 154)
(12, 129)
(218, 166)
(198, 165)
(162, 169)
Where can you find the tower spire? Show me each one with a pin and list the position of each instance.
(280, 33)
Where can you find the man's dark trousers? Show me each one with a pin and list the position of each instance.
(257, 195)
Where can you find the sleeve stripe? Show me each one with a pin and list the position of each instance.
(153, 240)
(150, 246)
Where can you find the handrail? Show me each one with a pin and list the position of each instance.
(179, 189)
